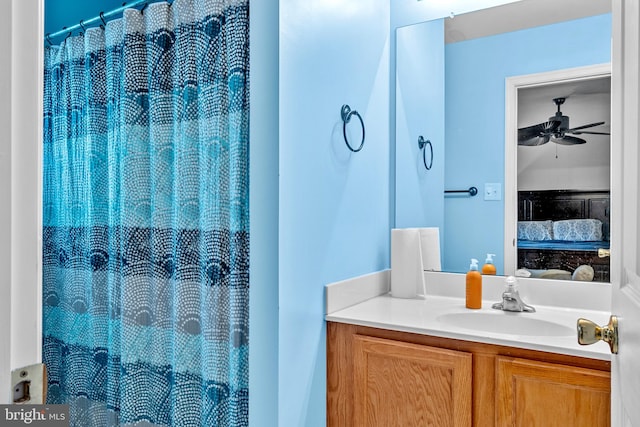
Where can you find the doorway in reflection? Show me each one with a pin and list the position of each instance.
(563, 180)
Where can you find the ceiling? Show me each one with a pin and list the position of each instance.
(520, 15)
(565, 90)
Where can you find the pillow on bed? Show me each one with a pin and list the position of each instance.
(535, 230)
(578, 230)
(554, 274)
(583, 273)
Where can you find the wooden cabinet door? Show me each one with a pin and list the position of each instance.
(402, 384)
(530, 393)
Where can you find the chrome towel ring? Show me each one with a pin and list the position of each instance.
(422, 145)
(346, 114)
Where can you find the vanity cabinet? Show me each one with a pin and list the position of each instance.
(378, 377)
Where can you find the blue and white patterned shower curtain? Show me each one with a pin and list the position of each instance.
(146, 218)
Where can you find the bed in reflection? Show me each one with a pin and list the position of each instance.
(561, 232)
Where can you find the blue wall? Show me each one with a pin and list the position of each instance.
(334, 204)
(474, 126)
(263, 184)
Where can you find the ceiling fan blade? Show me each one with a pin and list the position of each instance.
(590, 125)
(590, 133)
(568, 140)
(534, 140)
(541, 129)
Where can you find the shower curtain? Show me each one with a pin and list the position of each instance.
(146, 218)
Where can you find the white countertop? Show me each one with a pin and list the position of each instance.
(421, 316)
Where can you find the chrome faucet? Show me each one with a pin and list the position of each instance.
(511, 300)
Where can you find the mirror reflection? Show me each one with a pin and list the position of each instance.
(471, 57)
(563, 180)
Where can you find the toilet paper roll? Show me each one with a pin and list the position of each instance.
(430, 245)
(407, 278)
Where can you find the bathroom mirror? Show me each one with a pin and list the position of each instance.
(479, 52)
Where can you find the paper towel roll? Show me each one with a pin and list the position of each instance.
(430, 244)
(407, 278)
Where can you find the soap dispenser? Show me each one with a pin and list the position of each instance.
(474, 286)
(489, 267)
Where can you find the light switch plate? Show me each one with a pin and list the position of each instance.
(493, 191)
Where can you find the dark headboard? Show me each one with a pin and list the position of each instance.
(557, 205)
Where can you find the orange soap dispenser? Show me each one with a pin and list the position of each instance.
(489, 267)
(474, 286)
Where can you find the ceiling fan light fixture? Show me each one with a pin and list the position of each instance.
(556, 130)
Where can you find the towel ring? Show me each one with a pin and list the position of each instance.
(346, 114)
(422, 145)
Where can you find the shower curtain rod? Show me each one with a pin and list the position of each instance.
(100, 19)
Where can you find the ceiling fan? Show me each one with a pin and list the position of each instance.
(556, 130)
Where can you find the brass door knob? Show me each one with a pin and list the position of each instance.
(589, 332)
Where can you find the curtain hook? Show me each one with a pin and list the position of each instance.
(68, 35)
(144, 7)
(104, 23)
(49, 39)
